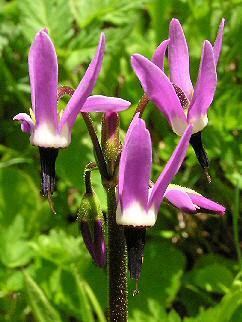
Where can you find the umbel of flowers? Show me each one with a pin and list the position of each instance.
(133, 199)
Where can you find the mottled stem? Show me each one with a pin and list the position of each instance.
(143, 102)
(117, 264)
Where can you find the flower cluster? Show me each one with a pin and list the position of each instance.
(175, 96)
(138, 199)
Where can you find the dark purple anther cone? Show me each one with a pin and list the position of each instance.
(196, 143)
(47, 161)
(95, 244)
(135, 240)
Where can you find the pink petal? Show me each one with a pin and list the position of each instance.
(180, 200)
(206, 84)
(218, 42)
(191, 202)
(27, 124)
(85, 87)
(178, 56)
(122, 163)
(99, 103)
(135, 166)
(207, 205)
(170, 170)
(159, 89)
(43, 72)
(159, 55)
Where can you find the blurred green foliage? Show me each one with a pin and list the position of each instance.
(192, 269)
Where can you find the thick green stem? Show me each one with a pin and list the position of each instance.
(117, 264)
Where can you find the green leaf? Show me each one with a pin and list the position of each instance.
(157, 313)
(15, 249)
(10, 281)
(161, 276)
(213, 278)
(116, 11)
(18, 195)
(52, 14)
(93, 300)
(221, 312)
(60, 248)
(41, 307)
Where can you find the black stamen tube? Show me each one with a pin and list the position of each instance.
(135, 240)
(47, 161)
(196, 143)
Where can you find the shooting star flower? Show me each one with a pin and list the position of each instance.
(138, 205)
(175, 97)
(48, 129)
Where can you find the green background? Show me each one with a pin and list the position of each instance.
(192, 269)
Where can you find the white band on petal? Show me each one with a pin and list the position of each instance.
(135, 215)
(178, 126)
(46, 136)
(199, 123)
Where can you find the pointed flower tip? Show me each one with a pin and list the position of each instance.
(42, 35)
(133, 58)
(175, 23)
(102, 36)
(102, 41)
(139, 61)
(208, 44)
(222, 211)
(45, 29)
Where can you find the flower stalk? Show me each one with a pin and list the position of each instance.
(96, 145)
(143, 102)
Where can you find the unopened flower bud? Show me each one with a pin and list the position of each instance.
(110, 136)
(91, 224)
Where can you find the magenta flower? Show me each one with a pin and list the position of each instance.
(48, 129)
(176, 97)
(138, 205)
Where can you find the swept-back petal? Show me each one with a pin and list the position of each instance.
(180, 200)
(160, 90)
(218, 42)
(27, 123)
(178, 56)
(100, 103)
(135, 166)
(85, 87)
(170, 170)
(43, 72)
(190, 201)
(206, 84)
(122, 163)
(207, 205)
(159, 55)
